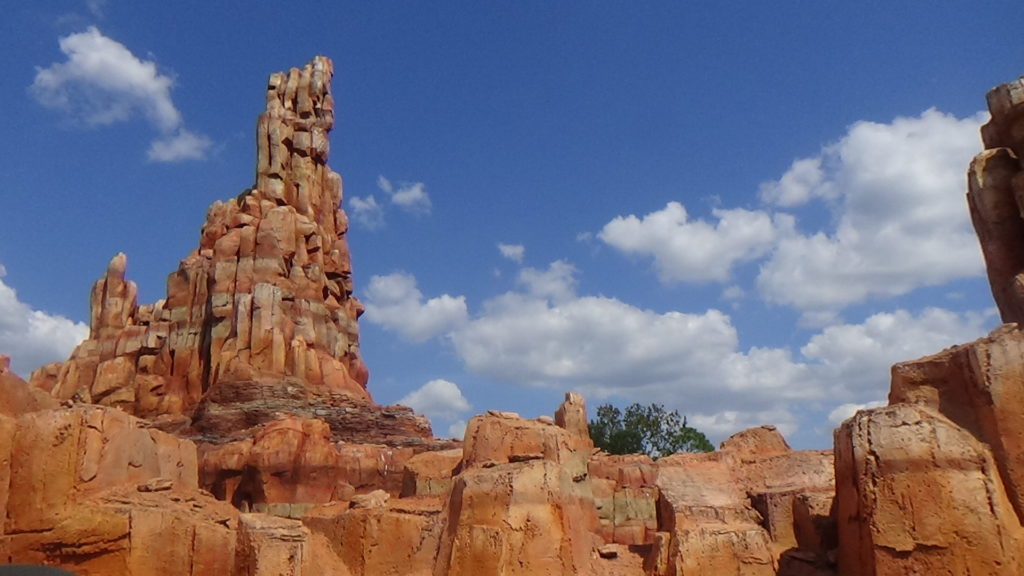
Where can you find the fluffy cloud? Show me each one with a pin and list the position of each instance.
(409, 196)
(693, 362)
(394, 303)
(686, 250)
(557, 283)
(514, 252)
(32, 337)
(103, 82)
(897, 195)
(366, 211)
(438, 399)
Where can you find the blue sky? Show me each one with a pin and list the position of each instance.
(743, 211)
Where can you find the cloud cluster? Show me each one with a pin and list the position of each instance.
(395, 303)
(895, 193)
(102, 82)
(32, 337)
(409, 197)
(687, 250)
(604, 347)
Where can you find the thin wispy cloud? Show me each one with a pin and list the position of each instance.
(408, 196)
(366, 212)
(103, 82)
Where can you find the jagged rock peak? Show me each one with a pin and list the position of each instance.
(291, 137)
(267, 295)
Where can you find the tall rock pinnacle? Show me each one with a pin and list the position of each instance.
(266, 298)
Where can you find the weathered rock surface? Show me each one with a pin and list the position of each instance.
(919, 494)
(522, 503)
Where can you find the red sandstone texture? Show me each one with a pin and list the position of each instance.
(228, 428)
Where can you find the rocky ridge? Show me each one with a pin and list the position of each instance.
(229, 429)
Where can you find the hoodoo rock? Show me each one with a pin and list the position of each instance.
(228, 428)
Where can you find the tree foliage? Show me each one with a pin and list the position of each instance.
(645, 429)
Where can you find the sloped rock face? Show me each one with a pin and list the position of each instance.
(263, 304)
(17, 396)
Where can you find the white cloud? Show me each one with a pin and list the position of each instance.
(857, 357)
(900, 218)
(557, 283)
(366, 211)
(514, 252)
(183, 145)
(103, 82)
(844, 411)
(733, 293)
(410, 196)
(394, 303)
(692, 362)
(32, 337)
(437, 399)
(686, 250)
(457, 429)
(803, 181)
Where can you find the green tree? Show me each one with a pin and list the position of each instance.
(647, 430)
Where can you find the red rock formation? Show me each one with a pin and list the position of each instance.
(264, 301)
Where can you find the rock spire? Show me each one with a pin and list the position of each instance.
(266, 298)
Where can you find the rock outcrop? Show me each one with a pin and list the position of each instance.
(934, 483)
